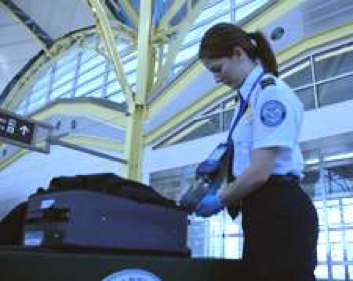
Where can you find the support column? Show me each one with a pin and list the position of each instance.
(145, 76)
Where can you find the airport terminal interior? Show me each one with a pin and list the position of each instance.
(116, 87)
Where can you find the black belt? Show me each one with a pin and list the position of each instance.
(285, 178)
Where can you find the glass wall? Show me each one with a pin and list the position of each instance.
(334, 202)
(324, 78)
(210, 121)
(318, 80)
(328, 182)
(88, 73)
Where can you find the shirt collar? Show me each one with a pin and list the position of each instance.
(244, 90)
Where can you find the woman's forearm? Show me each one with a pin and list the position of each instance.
(245, 184)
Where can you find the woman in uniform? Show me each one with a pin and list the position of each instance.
(279, 221)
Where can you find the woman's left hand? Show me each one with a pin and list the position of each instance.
(210, 205)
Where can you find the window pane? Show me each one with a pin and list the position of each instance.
(91, 63)
(247, 9)
(338, 272)
(348, 215)
(131, 65)
(118, 97)
(298, 75)
(197, 33)
(97, 93)
(42, 83)
(350, 251)
(227, 119)
(68, 58)
(213, 10)
(69, 66)
(350, 270)
(187, 54)
(233, 247)
(311, 184)
(307, 97)
(113, 87)
(335, 91)
(334, 62)
(88, 87)
(63, 79)
(334, 216)
(335, 236)
(60, 91)
(97, 71)
(321, 271)
(321, 252)
(111, 76)
(38, 94)
(336, 252)
(197, 129)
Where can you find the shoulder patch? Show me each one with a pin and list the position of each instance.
(267, 82)
(273, 112)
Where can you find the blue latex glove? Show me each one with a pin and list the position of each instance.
(210, 205)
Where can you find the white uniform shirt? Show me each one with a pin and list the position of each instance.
(273, 119)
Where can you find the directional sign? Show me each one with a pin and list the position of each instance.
(16, 129)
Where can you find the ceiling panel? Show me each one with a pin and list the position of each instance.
(18, 45)
(14, 33)
(57, 18)
(14, 56)
(5, 17)
(24, 5)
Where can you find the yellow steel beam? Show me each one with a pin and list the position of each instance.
(131, 13)
(134, 143)
(262, 19)
(173, 90)
(145, 75)
(172, 11)
(83, 108)
(104, 28)
(19, 90)
(331, 35)
(270, 14)
(79, 108)
(145, 52)
(119, 27)
(96, 142)
(8, 161)
(90, 141)
(181, 117)
(174, 45)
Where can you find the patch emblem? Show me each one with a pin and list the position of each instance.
(273, 113)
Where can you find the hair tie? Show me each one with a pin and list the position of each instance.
(252, 37)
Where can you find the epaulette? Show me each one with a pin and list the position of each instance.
(267, 82)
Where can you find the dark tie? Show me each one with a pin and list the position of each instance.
(233, 211)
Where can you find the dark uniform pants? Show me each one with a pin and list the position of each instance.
(280, 227)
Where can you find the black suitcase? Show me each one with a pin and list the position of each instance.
(96, 220)
(11, 226)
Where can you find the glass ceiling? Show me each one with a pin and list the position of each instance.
(88, 73)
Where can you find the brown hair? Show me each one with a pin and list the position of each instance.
(220, 40)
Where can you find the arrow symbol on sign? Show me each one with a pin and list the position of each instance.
(24, 130)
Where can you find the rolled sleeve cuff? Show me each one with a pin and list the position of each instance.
(272, 143)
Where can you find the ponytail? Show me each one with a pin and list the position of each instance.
(220, 40)
(264, 52)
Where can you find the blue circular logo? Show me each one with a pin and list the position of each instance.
(132, 274)
(273, 113)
